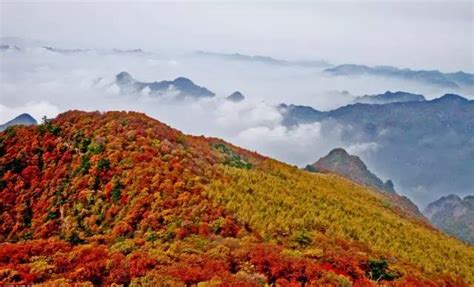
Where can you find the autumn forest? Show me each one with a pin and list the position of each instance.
(120, 198)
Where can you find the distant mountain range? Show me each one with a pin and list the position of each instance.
(426, 147)
(65, 51)
(73, 51)
(454, 216)
(23, 119)
(19, 44)
(265, 60)
(437, 78)
(389, 97)
(432, 77)
(179, 87)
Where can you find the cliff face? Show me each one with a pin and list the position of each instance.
(352, 167)
(454, 216)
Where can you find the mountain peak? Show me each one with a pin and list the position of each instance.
(390, 97)
(183, 86)
(25, 117)
(236, 97)
(22, 119)
(339, 152)
(453, 215)
(183, 81)
(124, 198)
(340, 161)
(352, 167)
(124, 78)
(452, 98)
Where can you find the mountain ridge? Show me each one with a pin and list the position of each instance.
(389, 97)
(119, 197)
(434, 77)
(265, 59)
(453, 215)
(183, 87)
(22, 119)
(409, 138)
(351, 166)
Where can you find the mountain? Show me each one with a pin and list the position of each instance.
(448, 80)
(453, 215)
(23, 119)
(75, 51)
(179, 87)
(96, 198)
(297, 114)
(409, 139)
(352, 167)
(20, 43)
(128, 51)
(9, 48)
(236, 97)
(389, 97)
(65, 51)
(265, 60)
(461, 77)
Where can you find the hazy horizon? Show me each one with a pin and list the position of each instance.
(419, 35)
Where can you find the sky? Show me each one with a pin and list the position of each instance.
(413, 34)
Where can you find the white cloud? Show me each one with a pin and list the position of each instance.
(301, 145)
(362, 148)
(403, 33)
(36, 109)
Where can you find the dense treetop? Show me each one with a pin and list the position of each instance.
(101, 198)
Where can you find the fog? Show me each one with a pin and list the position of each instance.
(45, 83)
(412, 34)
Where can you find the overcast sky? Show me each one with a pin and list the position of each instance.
(422, 35)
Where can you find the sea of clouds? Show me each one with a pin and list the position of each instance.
(40, 82)
(44, 83)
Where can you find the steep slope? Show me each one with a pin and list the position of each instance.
(453, 215)
(352, 167)
(23, 119)
(121, 198)
(410, 138)
(389, 97)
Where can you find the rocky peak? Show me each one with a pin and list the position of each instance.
(124, 78)
(236, 97)
(340, 161)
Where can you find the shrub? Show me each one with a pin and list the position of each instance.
(378, 270)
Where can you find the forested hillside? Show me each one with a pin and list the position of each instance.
(117, 197)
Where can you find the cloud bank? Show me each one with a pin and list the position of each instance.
(44, 83)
